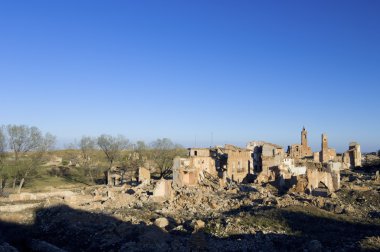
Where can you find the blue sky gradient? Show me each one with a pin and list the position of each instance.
(236, 70)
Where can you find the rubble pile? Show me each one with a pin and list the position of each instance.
(204, 217)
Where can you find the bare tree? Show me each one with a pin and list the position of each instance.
(36, 157)
(87, 146)
(112, 146)
(22, 140)
(3, 144)
(141, 146)
(141, 149)
(163, 152)
(135, 158)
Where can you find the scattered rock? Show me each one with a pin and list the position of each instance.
(110, 194)
(252, 218)
(161, 222)
(349, 209)
(338, 209)
(320, 202)
(199, 224)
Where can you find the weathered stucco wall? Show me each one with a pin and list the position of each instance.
(239, 163)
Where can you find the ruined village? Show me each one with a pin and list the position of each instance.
(190, 126)
(261, 197)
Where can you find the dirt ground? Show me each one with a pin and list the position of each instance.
(236, 218)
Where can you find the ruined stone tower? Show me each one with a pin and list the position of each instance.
(300, 150)
(325, 149)
(326, 154)
(304, 139)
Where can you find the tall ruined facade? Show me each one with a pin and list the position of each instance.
(239, 162)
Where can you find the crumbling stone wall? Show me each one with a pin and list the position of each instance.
(256, 148)
(289, 166)
(353, 156)
(189, 171)
(163, 190)
(144, 175)
(267, 159)
(183, 173)
(330, 177)
(114, 176)
(199, 152)
(272, 157)
(265, 156)
(229, 162)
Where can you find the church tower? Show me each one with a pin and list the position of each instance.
(325, 149)
(306, 150)
(300, 150)
(304, 138)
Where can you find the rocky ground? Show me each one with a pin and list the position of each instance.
(206, 218)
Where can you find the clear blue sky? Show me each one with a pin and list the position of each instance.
(239, 70)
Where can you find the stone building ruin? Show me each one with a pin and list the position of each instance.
(300, 150)
(260, 162)
(266, 162)
(115, 176)
(353, 157)
(328, 176)
(300, 164)
(265, 155)
(225, 163)
(235, 162)
(190, 171)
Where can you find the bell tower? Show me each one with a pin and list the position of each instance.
(325, 149)
(304, 138)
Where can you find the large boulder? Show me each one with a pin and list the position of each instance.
(161, 222)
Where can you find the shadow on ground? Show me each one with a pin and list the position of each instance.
(336, 232)
(62, 227)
